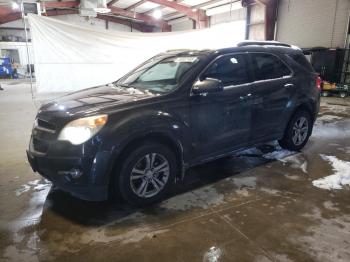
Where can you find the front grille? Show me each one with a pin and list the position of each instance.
(43, 133)
(40, 146)
(44, 125)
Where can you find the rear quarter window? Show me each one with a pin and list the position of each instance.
(301, 60)
(267, 67)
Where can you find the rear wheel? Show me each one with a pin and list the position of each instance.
(342, 94)
(147, 174)
(325, 93)
(298, 131)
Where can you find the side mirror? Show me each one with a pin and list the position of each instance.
(208, 85)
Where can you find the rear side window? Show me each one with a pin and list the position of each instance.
(268, 66)
(230, 69)
(302, 61)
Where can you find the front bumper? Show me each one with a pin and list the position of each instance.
(91, 185)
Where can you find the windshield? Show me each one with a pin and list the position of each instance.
(159, 75)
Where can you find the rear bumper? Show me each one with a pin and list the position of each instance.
(93, 179)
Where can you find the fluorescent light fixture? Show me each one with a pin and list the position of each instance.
(157, 14)
(15, 5)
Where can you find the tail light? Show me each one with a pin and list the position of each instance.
(318, 82)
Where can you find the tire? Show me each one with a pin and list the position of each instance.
(138, 178)
(342, 94)
(296, 125)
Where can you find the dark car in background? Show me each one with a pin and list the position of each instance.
(136, 137)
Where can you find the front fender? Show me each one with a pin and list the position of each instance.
(141, 124)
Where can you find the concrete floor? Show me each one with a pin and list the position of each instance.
(259, 205)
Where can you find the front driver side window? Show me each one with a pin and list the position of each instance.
(231, 70)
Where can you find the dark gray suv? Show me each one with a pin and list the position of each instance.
(135, 138)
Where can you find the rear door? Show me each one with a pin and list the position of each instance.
(272, 89)
(221, 121)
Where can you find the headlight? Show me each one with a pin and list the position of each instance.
(80, 130)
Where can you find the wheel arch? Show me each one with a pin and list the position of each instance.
(308, 106)
(155, 137)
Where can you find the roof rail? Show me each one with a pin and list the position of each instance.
(179, 50)
(273, 43)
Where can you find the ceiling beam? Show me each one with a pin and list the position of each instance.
(131, 7)
(159, 8)
(151, 11)
(7, 14)
(61, 12)
(210, 2)
(137, 16)
(178, 7)
(17, 15)
(10, 17)
(138, 26)
(110, 3)
(198, 15)
(68, 4)
(115, 10)
(4, 10)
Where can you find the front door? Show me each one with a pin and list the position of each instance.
(221, 121)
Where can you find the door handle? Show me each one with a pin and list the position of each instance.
(289, 85)
(245, 97)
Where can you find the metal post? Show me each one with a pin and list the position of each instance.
(27, 47)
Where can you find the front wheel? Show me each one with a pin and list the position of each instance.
(147, 174)
(298, 131)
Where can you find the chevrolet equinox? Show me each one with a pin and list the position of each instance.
(134, 138)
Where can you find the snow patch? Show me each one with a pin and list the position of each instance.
(283, 155)
(278, 154)
(248, 151)
(340, 178)
(130, 90)
(296, 161)
(22, 189)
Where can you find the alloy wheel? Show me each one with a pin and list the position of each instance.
(149, 175)
(300, 131)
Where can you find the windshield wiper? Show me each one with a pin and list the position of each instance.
(116, 85)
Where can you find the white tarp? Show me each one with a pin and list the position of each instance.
(69, 57)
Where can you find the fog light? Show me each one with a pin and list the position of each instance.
(73, 173)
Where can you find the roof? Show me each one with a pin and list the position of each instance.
(257, 46)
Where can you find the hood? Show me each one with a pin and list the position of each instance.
(93, 100)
